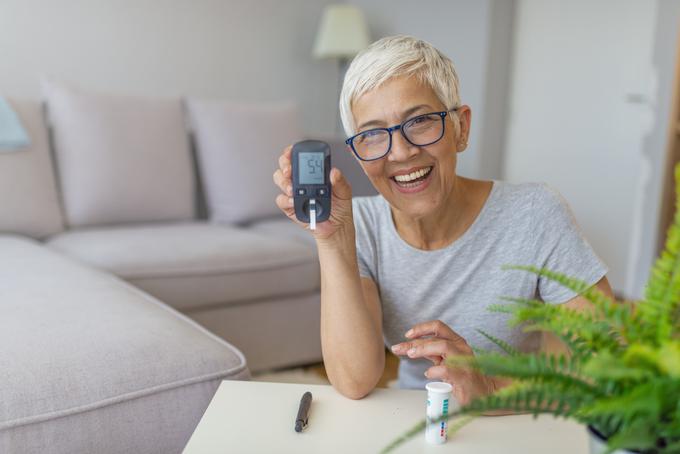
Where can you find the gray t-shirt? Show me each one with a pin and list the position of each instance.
(520, 224)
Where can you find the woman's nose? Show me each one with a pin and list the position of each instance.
(401, 149)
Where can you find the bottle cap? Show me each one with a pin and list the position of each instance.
(439, 387)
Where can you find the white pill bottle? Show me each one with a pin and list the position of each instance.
(438, 399)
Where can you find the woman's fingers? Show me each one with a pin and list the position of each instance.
(283, 183)
(439, 372)
(341, 188)
(436, 360)
(435, 328)
(284, 159)
(420, 348)
(282, 174)
(284, 202)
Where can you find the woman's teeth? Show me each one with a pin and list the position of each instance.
(413, 176)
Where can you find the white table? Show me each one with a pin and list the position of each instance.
(257, 417)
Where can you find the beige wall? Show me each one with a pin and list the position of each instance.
(252, 50)
(589, 104)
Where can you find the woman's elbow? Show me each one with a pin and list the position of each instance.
(354, 391)
(356, 388)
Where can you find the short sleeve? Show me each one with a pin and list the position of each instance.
(365, 239)
(562, 246)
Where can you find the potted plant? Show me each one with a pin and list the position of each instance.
(622, 376)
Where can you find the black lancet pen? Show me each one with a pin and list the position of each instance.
(303, 412)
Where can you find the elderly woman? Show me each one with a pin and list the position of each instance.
(417, 266)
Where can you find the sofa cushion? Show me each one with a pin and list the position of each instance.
(93, 364)
(190, 265)
(282, 228)
(29, 203)
(121, 159)
(238, 146)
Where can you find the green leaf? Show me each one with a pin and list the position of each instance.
(507, 348)
(636, 437)
(607, 367)
(660, 310)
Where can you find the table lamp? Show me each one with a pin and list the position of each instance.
(342, 34)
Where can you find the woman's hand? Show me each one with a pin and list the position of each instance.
(341, 199)
(435, 341)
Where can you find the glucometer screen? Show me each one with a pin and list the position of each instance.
(311, 168)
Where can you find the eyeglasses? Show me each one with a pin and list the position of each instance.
(420, 131)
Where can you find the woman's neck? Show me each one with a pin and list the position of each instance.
(443, 227)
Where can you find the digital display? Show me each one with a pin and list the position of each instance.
(310, 168)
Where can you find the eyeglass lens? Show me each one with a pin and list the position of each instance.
(421, 130)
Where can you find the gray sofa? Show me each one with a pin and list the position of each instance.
(116, 334)
(91, 364)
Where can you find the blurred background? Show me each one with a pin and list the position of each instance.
(580, 94)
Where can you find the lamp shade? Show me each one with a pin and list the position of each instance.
(342, 33)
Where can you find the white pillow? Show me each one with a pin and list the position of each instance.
(121, 159)
(238, 146)
(29, 203)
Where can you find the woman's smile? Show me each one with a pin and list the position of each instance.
(413, 180)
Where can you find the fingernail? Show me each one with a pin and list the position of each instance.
(289, 190)
(394, 348)
(426, 374)
(409, 333)
(290, 200)
(412, 352)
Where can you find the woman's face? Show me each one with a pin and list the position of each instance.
(390, 104)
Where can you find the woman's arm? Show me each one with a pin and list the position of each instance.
(351, 321)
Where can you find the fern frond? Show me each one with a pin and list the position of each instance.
(588, 291)
(637, 436)
(663, 361)
(661, 307)
(605, 308)
(606, 367)
(579, 348)
(534, 398)
(596, 334)
(538, 367)
(642, 401)
(500, 343)
(459, 423)
(518, 397)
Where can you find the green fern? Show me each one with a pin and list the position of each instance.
(622, 376)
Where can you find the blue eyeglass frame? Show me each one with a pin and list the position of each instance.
(400, 128)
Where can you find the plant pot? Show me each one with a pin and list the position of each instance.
(598, 444)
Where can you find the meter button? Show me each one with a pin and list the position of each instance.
(321, 191)
(302, 191)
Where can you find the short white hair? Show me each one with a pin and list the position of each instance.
(396, 56)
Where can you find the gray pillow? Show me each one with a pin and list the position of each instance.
(121, 159)
(29, 204)
(238, 146)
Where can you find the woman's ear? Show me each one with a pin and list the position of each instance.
(464, 115)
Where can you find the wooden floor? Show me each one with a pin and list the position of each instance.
(389, 375)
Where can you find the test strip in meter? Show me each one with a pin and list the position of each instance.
(312, 214)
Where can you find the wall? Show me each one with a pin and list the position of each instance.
(246, 50)
(250, 50)
(665, 52)
(587, 115)
(476, 35)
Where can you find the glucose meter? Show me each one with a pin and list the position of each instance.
(311, 161)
